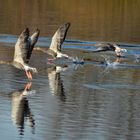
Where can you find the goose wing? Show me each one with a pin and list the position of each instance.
(22, 47)
(32, 42)
(59, 37)
(104, 47)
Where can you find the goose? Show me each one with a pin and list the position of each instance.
(23, 50)
(110, 47)
(55, 49)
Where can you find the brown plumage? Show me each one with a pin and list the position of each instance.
(55, 49)
(23, 50)
(110, 47)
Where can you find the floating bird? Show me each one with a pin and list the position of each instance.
(23, 50)
(55, 49)
(110, 47)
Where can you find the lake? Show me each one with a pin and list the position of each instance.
(99, 99)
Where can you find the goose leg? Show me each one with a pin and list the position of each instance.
(29, 75)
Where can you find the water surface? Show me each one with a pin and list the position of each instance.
(68, 101)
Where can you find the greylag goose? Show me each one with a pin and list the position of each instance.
(110, 47)
(23, 51)
(55, 49)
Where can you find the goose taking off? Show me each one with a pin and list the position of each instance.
(57, 41)
(110, 47)
(55, 49)
(23, 51)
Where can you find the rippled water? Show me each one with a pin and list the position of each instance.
(68, 101)
(97, 100)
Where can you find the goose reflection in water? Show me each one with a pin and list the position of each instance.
(108, 63)
(21, 111)
(55, 81)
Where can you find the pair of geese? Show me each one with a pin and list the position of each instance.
(25, 45)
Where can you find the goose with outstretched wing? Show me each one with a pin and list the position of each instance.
(55, 49)
(23, 50)
(110, 47)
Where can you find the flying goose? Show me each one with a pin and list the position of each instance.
(110, 47)
(55, 49)
(23, 50)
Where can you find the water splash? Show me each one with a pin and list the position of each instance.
(107, 61)
(77, 60)
(137, 56)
